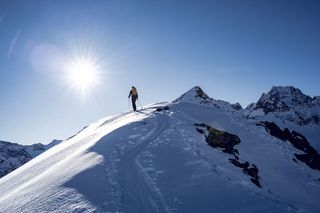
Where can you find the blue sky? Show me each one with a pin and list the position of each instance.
(233, 49)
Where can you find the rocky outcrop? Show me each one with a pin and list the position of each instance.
(217, 138)
(227, 142)
(200, 94)
(311, 156)
(159, 109)
(249, 169)
(236, 106)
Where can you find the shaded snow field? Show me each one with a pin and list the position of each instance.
(150, 161)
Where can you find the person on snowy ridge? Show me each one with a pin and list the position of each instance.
(134, 96)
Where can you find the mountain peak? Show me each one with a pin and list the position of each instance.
(195, 94)
(289, 104)
(282, 99)
(286, 90)
(198, 96)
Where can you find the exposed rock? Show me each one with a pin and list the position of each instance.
(159, 109)
(312, 160)
(311, 156)
(220, 139)
(295, 138)
(201, 94)
(249, 169)
(236, 106)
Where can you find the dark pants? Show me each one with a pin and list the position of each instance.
(134, 99)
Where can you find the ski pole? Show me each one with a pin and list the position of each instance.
(128, 104)
(140, 104)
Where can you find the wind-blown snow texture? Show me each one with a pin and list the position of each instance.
(155, 160)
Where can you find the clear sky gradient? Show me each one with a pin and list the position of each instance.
(233, 49)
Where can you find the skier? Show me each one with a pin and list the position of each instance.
(134, 96)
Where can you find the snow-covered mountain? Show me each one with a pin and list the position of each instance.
(288, 104)
(13, 155)
(196, 95)
(195, 154)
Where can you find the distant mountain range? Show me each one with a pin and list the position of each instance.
(13, 155)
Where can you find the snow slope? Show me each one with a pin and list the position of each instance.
(155, 160)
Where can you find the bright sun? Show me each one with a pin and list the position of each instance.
(83, 75)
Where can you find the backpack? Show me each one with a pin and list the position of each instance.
(134, 92)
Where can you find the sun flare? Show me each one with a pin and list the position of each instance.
(83, 74)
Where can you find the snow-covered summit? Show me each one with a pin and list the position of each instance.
(283, 99)
(197, 96)
(289, 104)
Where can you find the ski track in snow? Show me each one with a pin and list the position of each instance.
(133, 169)
(132, 187)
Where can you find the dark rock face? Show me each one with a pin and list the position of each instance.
(227, 141)
(289, 104)
(311, 156)
(313, 161)
(236, 106)
(216, 138)
(282, 99)
(159, 109)
(275, 106)
(249, 169)
(201, 94)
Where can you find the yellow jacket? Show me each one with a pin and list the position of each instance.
(133, 92)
